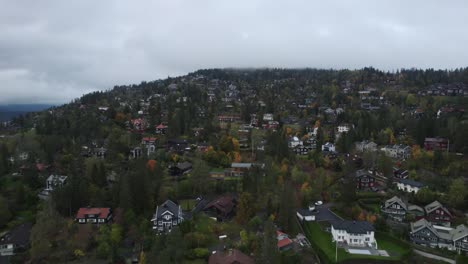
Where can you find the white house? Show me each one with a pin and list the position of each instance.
(409, 186)
(344, 128)
(55, 181)
(268, 117)
(294, 142)
(354, 233)
(397, 151)
(366, 145)
(328, 147)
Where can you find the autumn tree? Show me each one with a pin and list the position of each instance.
(245, 208)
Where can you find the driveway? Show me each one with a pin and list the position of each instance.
(323, 213)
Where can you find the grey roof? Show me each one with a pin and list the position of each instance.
(433, 206)
(447, 233)
(57, 178)
(18, 236)
(411, 183)
(353, 227)
(241, 165)
(361, 173)
(184, 165)
(168, 205)
(459, 232)
(413, 207)
(305, 212)
(396, 199)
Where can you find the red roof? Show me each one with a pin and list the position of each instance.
(161, 126)
(230, 257)
(149, 139)
(284, 242)
(102, 213)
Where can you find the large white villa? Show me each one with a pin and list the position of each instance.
(354, 233)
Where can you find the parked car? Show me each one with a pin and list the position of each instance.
(318, 203)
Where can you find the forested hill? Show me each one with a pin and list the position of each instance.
(10, 111)
(265, 142)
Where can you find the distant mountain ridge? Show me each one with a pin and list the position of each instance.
(10, 111)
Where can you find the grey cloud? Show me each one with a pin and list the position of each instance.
(54, 51)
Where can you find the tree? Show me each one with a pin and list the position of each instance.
(245, 208)
(5, 214)
(48, 224)
(268, 250)
(456, 193)
(200, 176)
(425, 196)
(286, 208)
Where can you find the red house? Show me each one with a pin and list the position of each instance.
(440, 144)
(161, 129)
(437, 214)
(94, 215)
(364, 180)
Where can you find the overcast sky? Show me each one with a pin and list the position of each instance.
(54, 51)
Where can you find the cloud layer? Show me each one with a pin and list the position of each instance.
(53, 51)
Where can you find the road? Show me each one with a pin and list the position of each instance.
(324, 213)
(432, 256)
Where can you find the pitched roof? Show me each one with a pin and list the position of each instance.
(19, 235)
(411, 183)
(168, 205)
(232, 256)
(353, 227)
(284, 242)
(224, 204)
(434, 206)
(460, 232)
(102, 213)
(396, 199)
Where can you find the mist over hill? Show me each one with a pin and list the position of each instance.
(10, 111)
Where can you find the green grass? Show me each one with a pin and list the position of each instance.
(322, 243)
(187, 204)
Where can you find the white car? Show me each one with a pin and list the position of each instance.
(318, 203)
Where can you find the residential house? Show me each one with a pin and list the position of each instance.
(294, 142)
(409, 186)
(364, 180)
(240, 169)
(55, 181)
(178, 145)
(306, 214)
(354, 233)
(180, 168)
(400, 173)
(161, 129)
(397, 151)
(303, 149)
(284, 242)
(330, 147)
(231, 256)
(222, 208)
(268, 117)
(437, 214)
(395, 209)
(15, 240)
(136, 152)
(100, 152)
(366, 146)
(139, 124)
(440, 144)
(167, 216)
(94, 215)
(422, 232)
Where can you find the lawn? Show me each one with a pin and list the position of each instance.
(187, 204)
(322, 243)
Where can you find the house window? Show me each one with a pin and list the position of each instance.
(81, 220)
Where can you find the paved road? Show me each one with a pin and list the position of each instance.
(432, 256)
(324, 213)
